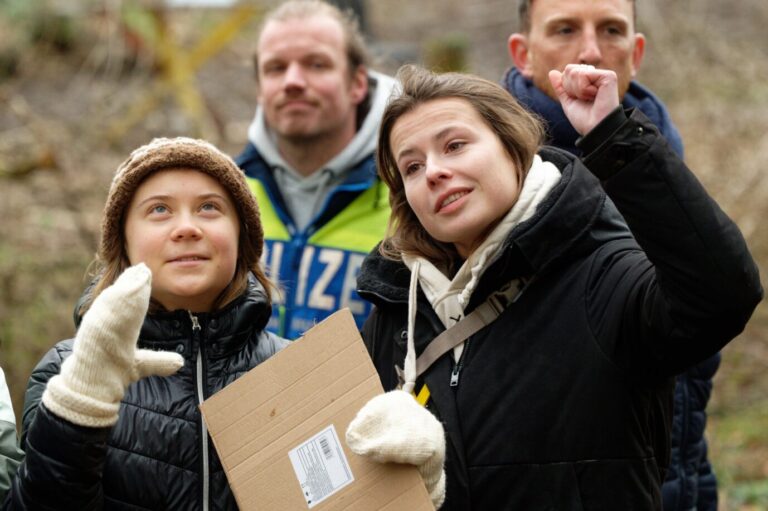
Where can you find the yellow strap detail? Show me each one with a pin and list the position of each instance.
(423, 396)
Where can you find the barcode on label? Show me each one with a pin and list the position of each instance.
(320, 466)
(326, 448)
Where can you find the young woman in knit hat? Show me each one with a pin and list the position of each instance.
(538, 304)
(111, 422)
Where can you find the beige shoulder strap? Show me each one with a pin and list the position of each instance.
(482, 316)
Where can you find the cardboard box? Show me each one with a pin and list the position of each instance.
(279, 429)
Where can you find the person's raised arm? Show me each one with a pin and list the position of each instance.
(695, 284)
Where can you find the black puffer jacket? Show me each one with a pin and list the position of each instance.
(565, 401)
(157, 456)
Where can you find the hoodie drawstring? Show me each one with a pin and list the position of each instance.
(409, 365)
(321, 192)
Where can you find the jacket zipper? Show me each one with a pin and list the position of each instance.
(459, 365)
(455, 375)
(200, 397)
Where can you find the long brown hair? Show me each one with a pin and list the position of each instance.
(519, 131)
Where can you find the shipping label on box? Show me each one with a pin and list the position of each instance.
(321, 467)
(279, 429)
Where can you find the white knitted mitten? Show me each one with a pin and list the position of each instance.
(104, 358)
(393, 427)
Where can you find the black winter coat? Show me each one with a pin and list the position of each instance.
(158, 455)
(691, 483)
(565, 401)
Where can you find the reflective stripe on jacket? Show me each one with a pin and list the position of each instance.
(316, 269)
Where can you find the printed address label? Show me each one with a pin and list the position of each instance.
(321, 466)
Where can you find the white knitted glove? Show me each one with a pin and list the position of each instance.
(393, 427)
(104, 358)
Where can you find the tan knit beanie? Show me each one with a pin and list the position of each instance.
(167, 153)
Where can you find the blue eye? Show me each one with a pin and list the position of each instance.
(211, 207)
(159, 208)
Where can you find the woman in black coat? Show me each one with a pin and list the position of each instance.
(587, 299)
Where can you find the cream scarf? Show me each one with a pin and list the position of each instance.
(450, 297)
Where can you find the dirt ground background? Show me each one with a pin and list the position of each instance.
(72, 71)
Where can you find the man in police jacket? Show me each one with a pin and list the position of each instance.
(309, 160)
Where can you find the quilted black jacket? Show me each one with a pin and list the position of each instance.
(158, 456)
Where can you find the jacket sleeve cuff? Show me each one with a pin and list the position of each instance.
(602, 132)
(618, 141)
(63, 466)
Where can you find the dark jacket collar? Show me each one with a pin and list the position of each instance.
(561, 133)
(358, 179)
(253, 164)
(229, 327)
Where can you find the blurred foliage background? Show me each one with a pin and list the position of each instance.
(83, 82)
